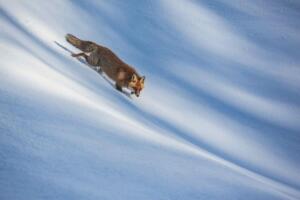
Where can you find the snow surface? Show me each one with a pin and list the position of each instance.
(219, 117)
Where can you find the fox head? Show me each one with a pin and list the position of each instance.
(137, 84)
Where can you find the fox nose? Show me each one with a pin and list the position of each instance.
(137, 93)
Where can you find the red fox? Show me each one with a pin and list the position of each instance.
(97, 55)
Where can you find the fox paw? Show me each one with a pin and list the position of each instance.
(99, 70)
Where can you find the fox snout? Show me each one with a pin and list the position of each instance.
(137, 93)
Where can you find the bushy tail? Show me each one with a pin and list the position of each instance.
(85, 46)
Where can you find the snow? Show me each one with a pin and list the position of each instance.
(218, 119)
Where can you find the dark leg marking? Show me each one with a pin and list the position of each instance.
(118, 87)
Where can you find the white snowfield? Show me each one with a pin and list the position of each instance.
(219, 117)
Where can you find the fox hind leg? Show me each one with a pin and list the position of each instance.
(79, 54)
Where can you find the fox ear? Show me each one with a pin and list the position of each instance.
(142, 79)
(134, 78)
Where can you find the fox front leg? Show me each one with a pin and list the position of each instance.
(119, 87)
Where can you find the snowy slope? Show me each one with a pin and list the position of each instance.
(219, 117)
